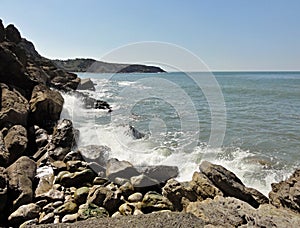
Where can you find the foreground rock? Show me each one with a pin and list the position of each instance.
(287, 193)
(231, 185)
(231, 212)
(14, 107)
(155, 220)
(20, 178)
(45, 105)
(24, 213)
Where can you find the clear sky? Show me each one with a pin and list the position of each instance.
(225, 34)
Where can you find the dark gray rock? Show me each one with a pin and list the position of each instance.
(135, 133)
(122, 169)
(86, 84)
(144, 183)
(2, 32)
(12, 34)
(161, 173)
(231, 185)
(20, 178)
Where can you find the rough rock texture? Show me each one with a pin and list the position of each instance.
(179, 195)
(24, 213)
(287, 193)
(153, 201)
(16, 142)
(155, 220)
(231, 212)
(20, 177)
(104, 197)
(203, 187)
(45, 105)
(14, 107)
(231, 185)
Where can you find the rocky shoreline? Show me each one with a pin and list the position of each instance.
(47, 180)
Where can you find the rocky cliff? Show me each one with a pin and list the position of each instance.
(91, 65)
(46, 179)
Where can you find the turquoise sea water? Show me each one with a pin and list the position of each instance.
(262, 109)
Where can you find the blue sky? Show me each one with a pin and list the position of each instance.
(225, 34)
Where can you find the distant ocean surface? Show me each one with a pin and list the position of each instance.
(262, 139)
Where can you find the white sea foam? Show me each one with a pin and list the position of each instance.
(97, 128)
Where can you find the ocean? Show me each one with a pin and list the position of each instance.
(248, 122)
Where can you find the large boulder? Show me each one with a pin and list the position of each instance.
(95, 153)
(203, 187)
(179, 195)
(121, 169)
(287, 193)
(86, 84)
(2, 32)
(161, 173)
(12, 34)
(12, 71)
(45, 105)
(20, 178)
(76, 179)
(231, 185)
(64, 137)
(16, 142)
(226, 212)
(24, 213)
(231, 212)
(14, 107)
(104, 197)
(144, 183)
